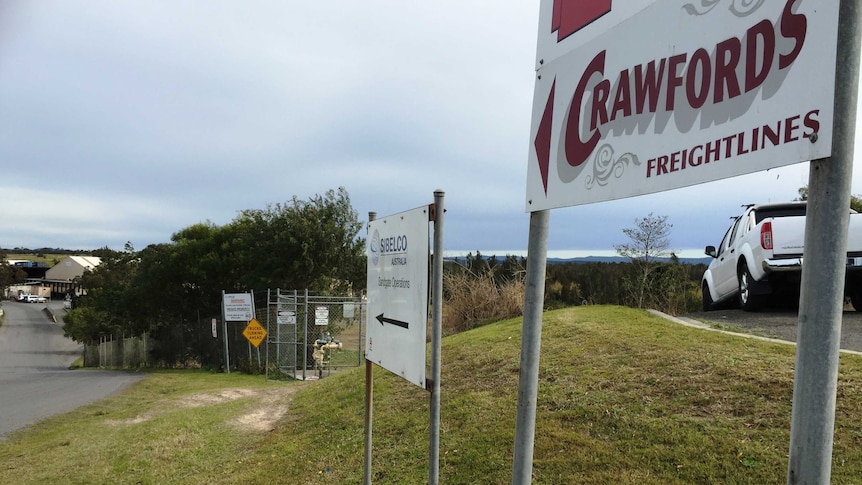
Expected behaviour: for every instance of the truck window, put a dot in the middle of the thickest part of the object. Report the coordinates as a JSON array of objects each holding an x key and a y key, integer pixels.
[
  {"x": 735, "y": 228},
  {"x": 780, "y": 211},
  {"x": 725, "y": 241},
  {"x": 745, "y": 224}
]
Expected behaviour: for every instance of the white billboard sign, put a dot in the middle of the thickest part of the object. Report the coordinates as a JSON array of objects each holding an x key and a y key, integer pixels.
[
  {"x": 649, "y": 96},
  {"x": 286, "y": 317},
  {"x": 321, "y": 315},
  {"x": 238, "y": 307},
  {"x": 398, "y": 251}
]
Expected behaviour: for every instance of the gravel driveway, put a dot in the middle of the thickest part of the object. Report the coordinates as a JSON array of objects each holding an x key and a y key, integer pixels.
[{"x": 780, "y": 324}]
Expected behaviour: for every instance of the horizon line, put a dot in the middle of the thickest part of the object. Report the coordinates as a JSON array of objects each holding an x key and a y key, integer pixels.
[{"x": 569, "y": 253}]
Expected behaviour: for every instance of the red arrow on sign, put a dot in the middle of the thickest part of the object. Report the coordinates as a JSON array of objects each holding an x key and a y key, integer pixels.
[{"x": 570, "y": 16}]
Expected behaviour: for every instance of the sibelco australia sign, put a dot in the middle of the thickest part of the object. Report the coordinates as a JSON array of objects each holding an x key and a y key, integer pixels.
[
  {"x": 398, "y": 252},
  {"x": 639, "y": 97}
]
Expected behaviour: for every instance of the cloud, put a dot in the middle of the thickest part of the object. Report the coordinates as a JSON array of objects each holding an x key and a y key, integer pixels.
[{"x": 129, "y": 121}]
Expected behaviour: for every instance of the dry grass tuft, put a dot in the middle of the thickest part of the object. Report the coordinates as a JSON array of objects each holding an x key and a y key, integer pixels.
[{"x": 473, "y": 300}]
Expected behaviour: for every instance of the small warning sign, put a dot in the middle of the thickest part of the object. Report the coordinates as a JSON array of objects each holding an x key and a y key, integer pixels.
[{"x": 254, "y": 332}]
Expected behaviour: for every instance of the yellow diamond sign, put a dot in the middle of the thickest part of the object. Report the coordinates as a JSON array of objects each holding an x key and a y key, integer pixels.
[{"x": 254, "y": 332}]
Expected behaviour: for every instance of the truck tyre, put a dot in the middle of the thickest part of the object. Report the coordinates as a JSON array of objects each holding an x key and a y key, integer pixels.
[
  {"x": 708, "y": 304},
  {"x": 748, "y": 301},
  {"x": 856, "y": 299}
]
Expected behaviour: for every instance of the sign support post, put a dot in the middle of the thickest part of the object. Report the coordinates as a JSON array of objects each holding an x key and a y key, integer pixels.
[
  {"x": 224, "y": 335},
  {"x": 369, "y": 396},
  {"x": 254, "y": 315},
  {"x": 436, "y": 337},
  {"x": 531, "y": 342},
  {"x": 822, "y": 292}
]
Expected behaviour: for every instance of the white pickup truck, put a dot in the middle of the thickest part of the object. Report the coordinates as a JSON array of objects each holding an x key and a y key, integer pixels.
[{"x": 761, "y": 255}]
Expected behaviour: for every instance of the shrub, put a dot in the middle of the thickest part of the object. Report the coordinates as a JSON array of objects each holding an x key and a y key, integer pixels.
[{"x": 473, "y": 300}]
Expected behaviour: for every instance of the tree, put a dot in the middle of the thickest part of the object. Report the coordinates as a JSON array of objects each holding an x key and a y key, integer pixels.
[
  {"x": 649, "y": 240},
  {"x": 166, "y": 288},
  {"x": 855, "y": 200},
  {"x": 310, "y": 244},
  {"x": 110, "y": 302},
  {"x": 5, "y": 272},
  {"x": 9, "y": 274}
]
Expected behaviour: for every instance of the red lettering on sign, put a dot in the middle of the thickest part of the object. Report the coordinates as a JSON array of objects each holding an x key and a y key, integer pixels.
[{"x": 737, "y": 65}]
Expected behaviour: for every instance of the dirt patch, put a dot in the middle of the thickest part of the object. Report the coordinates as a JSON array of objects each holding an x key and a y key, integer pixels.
[
  {"x": 212, "y": 398},
  {"x": 266, "y": 407},
  {"x": 271, "y": 409},
  {"x": 128, "y": 422}
]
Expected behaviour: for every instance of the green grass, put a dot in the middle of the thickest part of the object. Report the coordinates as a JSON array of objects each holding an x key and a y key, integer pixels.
[{"x": 624, "y": 397}]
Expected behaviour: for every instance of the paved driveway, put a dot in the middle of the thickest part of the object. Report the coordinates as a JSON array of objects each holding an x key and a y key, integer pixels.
[
  {"x": 35, "y": 382},
  {"x": 781, "y": 324}
]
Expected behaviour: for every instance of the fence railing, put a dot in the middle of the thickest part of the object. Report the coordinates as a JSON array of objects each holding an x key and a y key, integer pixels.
[{"x": 128, "y": 352}]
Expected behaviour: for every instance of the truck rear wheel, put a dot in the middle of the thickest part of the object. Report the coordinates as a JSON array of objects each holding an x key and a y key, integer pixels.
[
  {"x": 748, "y": 301},
  {"x": 708, "y": 304},
  {"x": 856, "y": 300}
]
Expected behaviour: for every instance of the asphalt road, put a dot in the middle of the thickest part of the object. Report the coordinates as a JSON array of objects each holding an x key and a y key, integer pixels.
[
  {"x": 781, "y": 324},
  {"x": 35, "y": 382}
]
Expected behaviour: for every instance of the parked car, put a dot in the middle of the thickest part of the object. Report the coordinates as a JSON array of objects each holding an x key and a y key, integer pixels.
[{"x": 761, "y": 254}]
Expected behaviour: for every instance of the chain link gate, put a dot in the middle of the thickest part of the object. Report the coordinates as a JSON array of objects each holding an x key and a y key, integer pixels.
[{"x": 309, "y": 336}]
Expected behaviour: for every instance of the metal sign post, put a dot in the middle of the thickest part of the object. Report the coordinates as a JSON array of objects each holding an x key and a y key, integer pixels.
[
  {"x": 823, "y": 274},
  {"x": 531, "y": 342},
  {"x": 224, "y": 336},
  {"x": 369, "y": 398},
  {"x": 436, "y": 337},
  {"x": 397, "y": 310}
]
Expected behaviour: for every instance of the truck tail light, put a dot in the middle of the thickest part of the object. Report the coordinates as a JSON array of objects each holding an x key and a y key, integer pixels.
[{"x": 766, "y": 235}]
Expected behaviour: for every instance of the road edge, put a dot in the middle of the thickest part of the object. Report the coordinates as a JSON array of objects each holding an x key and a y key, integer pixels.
[{"x": 688, "y": 322}]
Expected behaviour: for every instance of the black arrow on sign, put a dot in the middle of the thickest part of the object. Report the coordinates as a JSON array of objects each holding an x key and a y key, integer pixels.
[{"x": 398, "y": 323}]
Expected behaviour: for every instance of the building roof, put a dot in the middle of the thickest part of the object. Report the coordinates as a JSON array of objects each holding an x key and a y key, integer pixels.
[{"x": 88, "y": 262}]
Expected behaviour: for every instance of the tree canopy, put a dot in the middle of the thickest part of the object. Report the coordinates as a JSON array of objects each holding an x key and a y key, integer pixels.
[
  {"x": 855, "y": 200},
  {"x": 9, "y": 274},
  {"x": 299, "y": 244}
]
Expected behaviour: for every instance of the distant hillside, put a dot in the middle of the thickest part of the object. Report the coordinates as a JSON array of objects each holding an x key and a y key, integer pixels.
[
  {"x": 591, "y": 259},
  {"x": 620, "y": 259}
]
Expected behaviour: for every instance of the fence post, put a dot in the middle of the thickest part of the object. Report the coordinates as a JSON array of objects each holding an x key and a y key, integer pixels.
[
  {"x": 224, "y": 334},
  {"x": 305, "y": 337}
]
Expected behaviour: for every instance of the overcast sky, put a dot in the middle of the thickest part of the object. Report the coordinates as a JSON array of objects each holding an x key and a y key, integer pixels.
[{"x": 128, "y": 121}]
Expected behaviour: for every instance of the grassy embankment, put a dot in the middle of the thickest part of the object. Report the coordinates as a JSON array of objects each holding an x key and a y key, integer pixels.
[
  {"x": 51, "y": 259},
  {"x": 624, "y": 397}
]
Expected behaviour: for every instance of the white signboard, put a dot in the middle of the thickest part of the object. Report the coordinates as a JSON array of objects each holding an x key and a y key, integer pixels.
[
  {"x": 286, "y": 317},
  {"x": 321, "y": 315},
  {"x": 348, "y": 310},
  {"x": 642, "y": 98},
  {"x": 398, "y": 251},
  {"x": 238, "y": 307}
]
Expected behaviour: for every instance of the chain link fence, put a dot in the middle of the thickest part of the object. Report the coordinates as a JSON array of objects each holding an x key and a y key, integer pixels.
[{"x": 309, "y": 336}]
